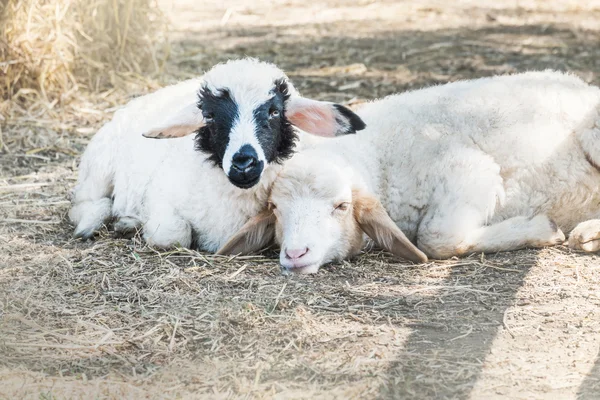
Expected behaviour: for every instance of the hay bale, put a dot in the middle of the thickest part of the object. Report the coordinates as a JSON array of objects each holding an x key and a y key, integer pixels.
[{"x": 51, "y": 50}]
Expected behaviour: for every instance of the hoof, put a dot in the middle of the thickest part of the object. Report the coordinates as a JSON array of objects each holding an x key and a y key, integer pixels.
[
  {"x": 586, "y": 236},
  {"x": 85, "y": 234}
]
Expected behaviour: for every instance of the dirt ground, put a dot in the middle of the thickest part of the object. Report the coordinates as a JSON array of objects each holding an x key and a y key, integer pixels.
[{"x": 113, "y": 319}]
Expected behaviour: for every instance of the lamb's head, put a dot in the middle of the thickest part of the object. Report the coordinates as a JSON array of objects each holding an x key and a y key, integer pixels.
[
  {"x": 244, "y": 118},
  {"x": 317, "y": 213}
]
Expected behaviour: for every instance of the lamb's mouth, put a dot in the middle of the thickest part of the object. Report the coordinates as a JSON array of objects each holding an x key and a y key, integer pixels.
[
  {"x": 246, "y": 184},
  {"x": 308, "y": 268}
]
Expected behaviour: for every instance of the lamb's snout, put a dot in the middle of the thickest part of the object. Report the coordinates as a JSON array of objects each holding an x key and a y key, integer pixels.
[
  {"x": 243, "y": 162},
  {"x": 295, "y": 254},
  {"x": 246, "y": 168},
  {"x": 298, "y": 259}
]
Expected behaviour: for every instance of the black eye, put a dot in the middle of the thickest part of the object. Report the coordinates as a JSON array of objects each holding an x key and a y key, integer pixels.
[
  {"x": 209, "y": 118},
  {"x": 273, "y": 113},
  {"x": 271, "y": 206}
]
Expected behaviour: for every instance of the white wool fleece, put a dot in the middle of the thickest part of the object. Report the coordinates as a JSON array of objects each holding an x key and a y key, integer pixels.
[{"x": 474, "y": 166}]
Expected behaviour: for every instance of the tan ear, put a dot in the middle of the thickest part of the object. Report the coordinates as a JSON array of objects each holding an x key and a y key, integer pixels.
[
  {"x": 184, "y": 122},
  {"x": 375, "y": 222},
  {"x": 255, "y": 235},
  {"x": 322, "y": 118}
]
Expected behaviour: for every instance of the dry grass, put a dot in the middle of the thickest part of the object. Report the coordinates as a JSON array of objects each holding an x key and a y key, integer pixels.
[
  {"x": 115, "y": 319},
  {"x": 57, "y": 47},
  {"x": 56, "y": 54}
]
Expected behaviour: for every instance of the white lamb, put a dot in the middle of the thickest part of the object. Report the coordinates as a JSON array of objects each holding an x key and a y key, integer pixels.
[
  {"x": 486, "y": 165},
  {"x": 198, "y": 189}
]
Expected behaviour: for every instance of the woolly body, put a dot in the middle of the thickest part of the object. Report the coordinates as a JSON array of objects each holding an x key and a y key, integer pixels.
[{"x": 474, "y": 166}]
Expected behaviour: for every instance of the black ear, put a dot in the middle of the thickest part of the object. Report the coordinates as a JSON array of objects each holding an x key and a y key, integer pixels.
[
  {"x": 322, "y": 118},
  {"x": 351, "y": 121}
]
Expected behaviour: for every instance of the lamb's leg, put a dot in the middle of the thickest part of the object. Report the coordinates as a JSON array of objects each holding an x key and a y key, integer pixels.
[
  {"x": 167, "y": 229},
  {"x": 465, "y": 199},
  {"x": 586, "y": 236},
  {"x": 89, "y": 216},
  {"x": 92, "y": 204},
  {"x": 439, "y": 240},
  {"x": 127, "y": 227}
]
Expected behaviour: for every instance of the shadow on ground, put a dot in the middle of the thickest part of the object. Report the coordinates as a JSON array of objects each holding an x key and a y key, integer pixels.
[
  {"x": 590, "y": 388},
  {"x": 394, "y": 61}
]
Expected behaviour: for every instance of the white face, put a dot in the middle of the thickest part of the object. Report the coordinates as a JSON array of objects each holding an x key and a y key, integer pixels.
[
  {"x": 315, "y": 224},
  {"x": 317, "y": 215}
]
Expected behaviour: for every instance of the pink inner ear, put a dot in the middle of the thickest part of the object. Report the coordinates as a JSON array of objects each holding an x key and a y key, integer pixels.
[{"x": 314, "y": 117}]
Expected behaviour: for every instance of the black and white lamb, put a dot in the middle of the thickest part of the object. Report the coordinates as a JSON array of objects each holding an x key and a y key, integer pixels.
[{"x": 230, "y": 130}]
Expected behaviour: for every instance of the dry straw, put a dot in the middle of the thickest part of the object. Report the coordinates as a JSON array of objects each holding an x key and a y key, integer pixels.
[{"x": 55, "y": 50}]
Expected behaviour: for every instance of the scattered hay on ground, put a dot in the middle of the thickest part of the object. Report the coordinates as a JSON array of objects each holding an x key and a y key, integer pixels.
[{"x": 114, "y": 319}]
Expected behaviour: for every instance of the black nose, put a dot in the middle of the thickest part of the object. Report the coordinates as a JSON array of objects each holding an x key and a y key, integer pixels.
[
  {"x": 245, "y": 168},
  {"x": 244, "y": 159}
]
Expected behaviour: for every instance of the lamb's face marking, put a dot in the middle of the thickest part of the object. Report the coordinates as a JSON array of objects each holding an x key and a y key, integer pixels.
[
  {"x": 243, "y": 119},
  {"x": 243, "y": 136},
  {"x": 220, "y": 112},
  {"x": 273, "y": 130}
]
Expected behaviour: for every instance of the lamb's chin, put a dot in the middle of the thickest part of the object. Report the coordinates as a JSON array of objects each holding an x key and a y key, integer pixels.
[{"x": 302, "y": 270}]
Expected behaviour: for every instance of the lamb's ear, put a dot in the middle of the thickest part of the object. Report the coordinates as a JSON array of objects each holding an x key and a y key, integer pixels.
[
  {"x": 375, "y": 222},
  {"x": 255, "y": 235},
  {"x": 322, "y": 118},
  {"x": 184, "y": 122}
]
